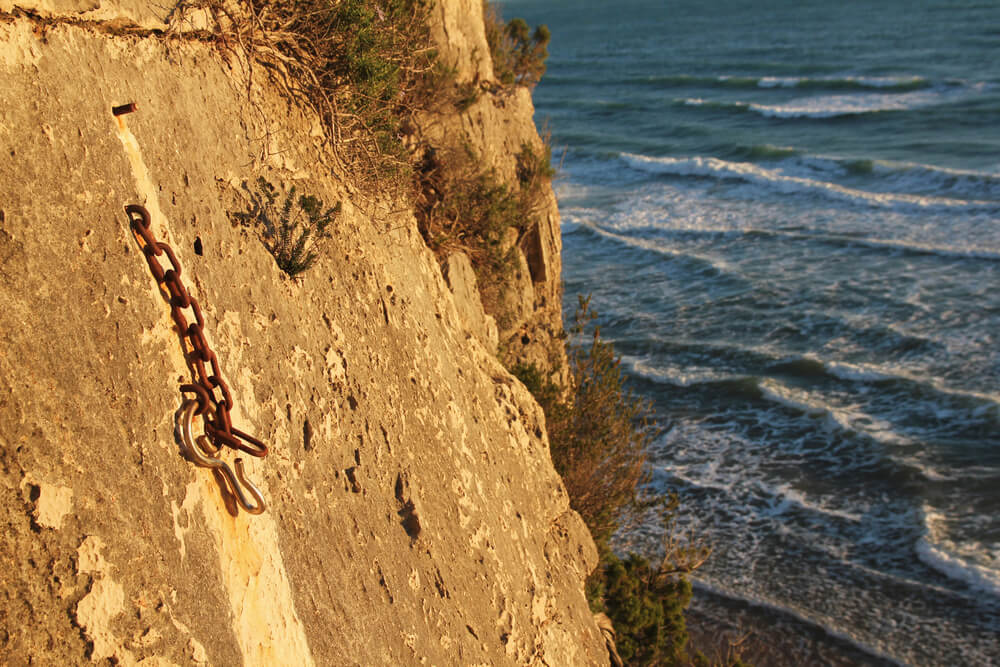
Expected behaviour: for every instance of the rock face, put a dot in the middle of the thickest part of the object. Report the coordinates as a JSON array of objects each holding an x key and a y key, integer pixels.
[
  {"x": 496, "y": 127},
  {"x": 413, "y": 512}
]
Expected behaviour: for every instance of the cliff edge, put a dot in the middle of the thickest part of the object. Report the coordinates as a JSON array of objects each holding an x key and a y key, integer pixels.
[{"x": 414, "y": 516}]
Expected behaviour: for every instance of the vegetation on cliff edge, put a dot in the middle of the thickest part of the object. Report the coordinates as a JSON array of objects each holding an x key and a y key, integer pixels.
[
  {"x": 366, "y": 67},
  {"x": 462, "y": 206},
  {"x": 518, "y": 53},
  {"x": 599, "y": 434}
]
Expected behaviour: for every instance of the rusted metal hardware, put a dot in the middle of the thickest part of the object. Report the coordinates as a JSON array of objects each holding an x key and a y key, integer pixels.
[
  {"x": 213, "y": 407},
  {"x": 219, "y": 429},
  {"x": 197, "y": 448},
  {"x": 124, "y": 109}
]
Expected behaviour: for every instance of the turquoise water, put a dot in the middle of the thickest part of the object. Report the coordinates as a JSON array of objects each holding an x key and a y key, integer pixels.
[{"x": 789, "y": 219}]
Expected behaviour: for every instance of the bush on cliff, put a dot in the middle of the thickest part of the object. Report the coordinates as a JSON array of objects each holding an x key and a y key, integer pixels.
[
  {"x": 462, "y": 206},
  {"x": 647, "y": 610},
  {"x": 518, "y": 53},
  {"x": 363, "y": 65},
  {"x": 598, "y": 436}
]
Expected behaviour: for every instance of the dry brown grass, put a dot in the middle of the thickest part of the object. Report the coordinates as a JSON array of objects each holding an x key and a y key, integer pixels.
[{"x": 364, "y": 66}]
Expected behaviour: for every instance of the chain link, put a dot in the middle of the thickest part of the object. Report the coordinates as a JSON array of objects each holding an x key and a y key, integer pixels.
[{"x": 213, "y": 407}]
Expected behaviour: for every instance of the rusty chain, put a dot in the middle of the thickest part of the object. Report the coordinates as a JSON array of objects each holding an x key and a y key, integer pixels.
[{"x": 214, "y": 408}]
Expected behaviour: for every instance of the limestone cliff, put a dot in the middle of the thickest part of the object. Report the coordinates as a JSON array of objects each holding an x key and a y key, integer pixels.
[
  {"x": 414, "y": 516},
  {"x": 495, "y": 128}
]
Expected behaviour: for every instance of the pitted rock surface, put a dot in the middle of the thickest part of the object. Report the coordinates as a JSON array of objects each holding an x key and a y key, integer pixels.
[{"x": 421, "y": 523}]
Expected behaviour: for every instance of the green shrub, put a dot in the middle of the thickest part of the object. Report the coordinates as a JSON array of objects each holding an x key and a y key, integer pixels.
[
  {"x": 460, "y": 207},
  {"x": 362, "y": 64},
  {"x": 598, "y": 435},
  {"x": 647, "y": 610},
  {"x": 466, "y": 94},
  {"x": 534, "y": 169},
  {"x": 293, "y": 231},
  {"x": 518, "y": 53}
]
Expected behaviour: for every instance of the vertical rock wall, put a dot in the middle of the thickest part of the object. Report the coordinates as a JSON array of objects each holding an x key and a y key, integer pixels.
[
  {"x": 414, "y": 515},
  {"x": 496, "y": 127}
]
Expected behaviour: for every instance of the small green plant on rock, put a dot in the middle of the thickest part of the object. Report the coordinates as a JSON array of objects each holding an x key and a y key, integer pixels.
[
  {"x": 534, "y": 168},
  {"x": 295, "y": 230}
]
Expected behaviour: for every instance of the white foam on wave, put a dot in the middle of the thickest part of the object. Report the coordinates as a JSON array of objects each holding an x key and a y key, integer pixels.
[
  {"x": 719, "y": 265},
  {"x": 897, "y": 176},
  {"x": 776, "y": 179},
  {"x": 960, "y": 562},
  {"x": 672, "y": 375},
  {"x": 913, "y": 246},
  {"x": 848, "y": 419},
  {"x": 929, "y": 473},
  {"x": 853, "y": 104},
  {"x": 858, "y": 372},
  {"x": 702, "y": 102},
  {"x": 779, "y": 81},
  {"x": 788, "y": 496},
  {"x": 775, "y": 391},
  {"x": 755, "y": 497},
  {"x": 922, "y": 175},
  {"x": 835, "y": 418},
  {"x": 829, "y": 106},
  {"x": 711, "y": 483},
  {"x": 860, "y": 81},
  {"x": 886, "y": 81}
]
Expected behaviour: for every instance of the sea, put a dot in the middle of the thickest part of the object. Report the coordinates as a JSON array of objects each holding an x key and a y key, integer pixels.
[{"x": 787, "y": 215}]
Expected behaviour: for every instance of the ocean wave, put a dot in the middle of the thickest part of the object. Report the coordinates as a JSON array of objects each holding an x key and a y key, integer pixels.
[
  {"x": 710, "y": 167},
  {"x": 716, "y": 266},
  {"x": 941, "y": 554},
  {"x": 828, "y": 416},
  {"x": 930, "y": 473},
  {"x": 858, "y": 372},
  {"x": 788, "y": 497},
  {"x": 834, "y": 418},
  {"x": 772, "y": 501},
  {"x": 771, "y": 390},
  {"x": 812, "y": 366},
  {"x": 832, "y": 106},
  {"x": 766, "y": 152},
  {"x": 678, "y": 377},
  {"x": 912, "y": 247},
  {"x": 572, "y": 217},
  {"x": 846, "y": 82},
  {"x": 879, "y": 175},
  {"x": 804, "y": 366},
  {"x": 888, "y": 175},
  {"x": 935, "y": 175}
]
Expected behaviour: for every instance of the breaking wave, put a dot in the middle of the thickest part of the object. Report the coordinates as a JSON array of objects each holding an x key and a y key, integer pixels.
[
  {"x": 776, "y": 179},
  {"x": 831, "y": 106}
]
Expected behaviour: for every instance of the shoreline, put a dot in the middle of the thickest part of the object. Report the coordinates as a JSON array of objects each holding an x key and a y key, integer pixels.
[{"x": 769, "y": 637}]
